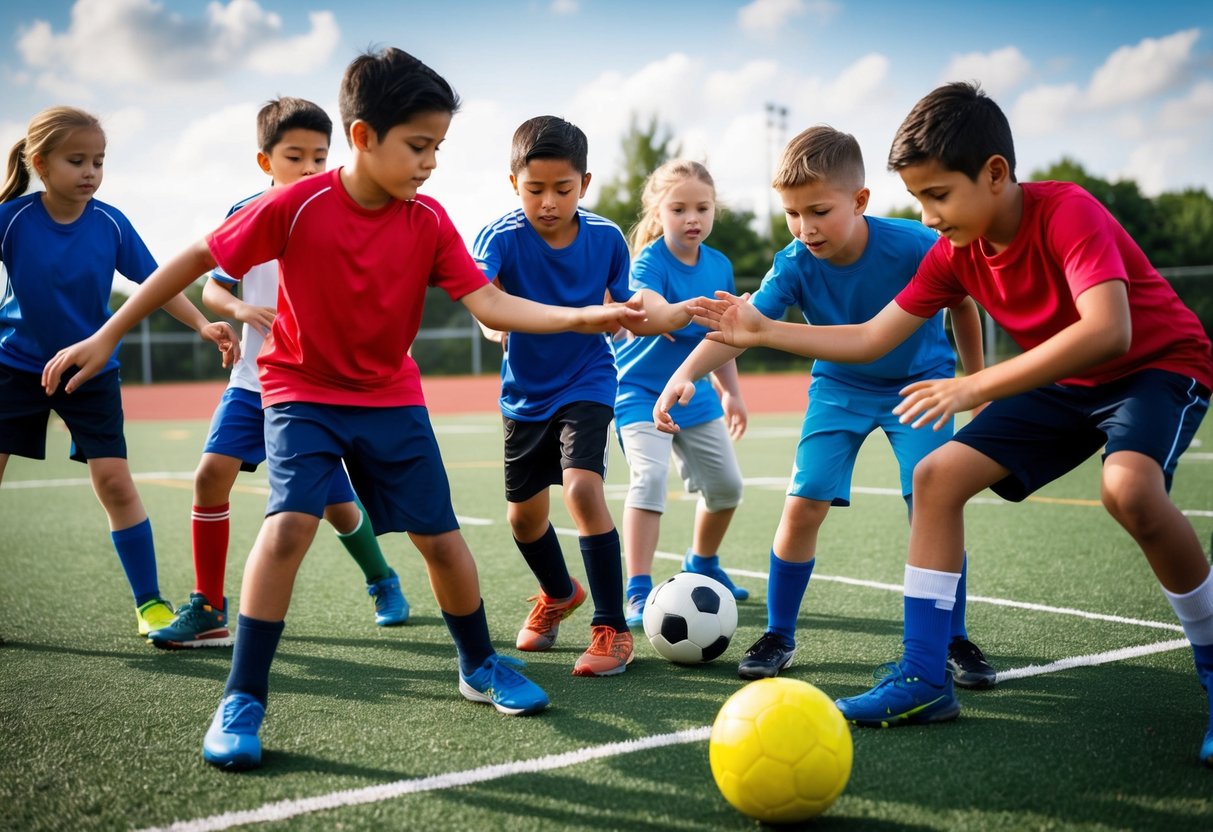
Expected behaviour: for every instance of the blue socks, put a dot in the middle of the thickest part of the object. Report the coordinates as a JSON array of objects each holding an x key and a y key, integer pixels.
[
  {"x": 546, "y": 560},
  {"x": 471, "y": 636},
  {"x": 639, "y": 586},
  {"x": 600, "y": 553},
  {"x": 256, "y": 643},
  {"x": 785, "y": 591},
  {"x": 137, "y": 554},
  {"x": 959, "y": 630},
  {"x": 929, "y": 598}
]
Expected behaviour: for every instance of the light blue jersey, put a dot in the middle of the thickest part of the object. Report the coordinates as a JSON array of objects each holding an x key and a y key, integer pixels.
[
  {"x": 828, "y": 295},
  {"x": 60, "y": 276},
  {"x": 542, "y": 373},
  {"x": 646, "y": 363}
]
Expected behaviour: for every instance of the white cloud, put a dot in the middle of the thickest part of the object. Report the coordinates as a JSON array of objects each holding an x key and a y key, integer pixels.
[
  {"x": 858, "y": 86},
  {"x": 1045, "y": 109},
  {"x": 999, "y": 72},
  {"x": 769, "y": 16},
  {"x": 1195, "y": 108},
  {"x": 565, "y": 7},
  {"x": 1151, "y": 164},
  {"x": 138, "y": 42},
  {"x": 1134, "y": 73}
]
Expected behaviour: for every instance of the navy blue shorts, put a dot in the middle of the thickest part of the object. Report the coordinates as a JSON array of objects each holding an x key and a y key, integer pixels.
[
  {"x": 536, "y": 453},
  {"x": 93, "y": 415},
  {"x": 1040, "y": 435},
  {"x": 238, "y": 430},
  {"x": 390, "y": 452}
]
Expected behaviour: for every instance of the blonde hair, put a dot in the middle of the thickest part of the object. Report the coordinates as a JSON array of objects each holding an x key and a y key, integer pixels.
[
  {"x": 45, "y": 132},
  {"x": 820, "y": 154},
  {"x": 648, "y": 227}
]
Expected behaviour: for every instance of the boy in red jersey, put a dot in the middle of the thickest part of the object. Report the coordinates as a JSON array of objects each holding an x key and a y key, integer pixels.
[
  {"x": 1112, "y": 359},
  {"x": 337, "y": 380}
]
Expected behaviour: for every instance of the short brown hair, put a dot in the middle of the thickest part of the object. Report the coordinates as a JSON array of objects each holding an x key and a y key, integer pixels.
[
  {"x": 548, "y": 137},
  {"x": 819, "y": 154}
]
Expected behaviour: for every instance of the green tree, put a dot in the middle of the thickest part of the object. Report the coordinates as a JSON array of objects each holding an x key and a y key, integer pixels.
[{"x": 645, "y": 148}]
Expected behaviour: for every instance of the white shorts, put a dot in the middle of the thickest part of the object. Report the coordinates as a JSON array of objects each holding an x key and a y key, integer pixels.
[{"x": 706, "y": 461}]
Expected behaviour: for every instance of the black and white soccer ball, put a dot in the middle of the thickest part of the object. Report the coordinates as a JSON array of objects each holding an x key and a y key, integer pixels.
[{"x": 690, "y": 618}]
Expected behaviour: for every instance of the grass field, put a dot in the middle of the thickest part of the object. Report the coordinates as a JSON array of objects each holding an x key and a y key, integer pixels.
[{"x": 1094, "y": 725}]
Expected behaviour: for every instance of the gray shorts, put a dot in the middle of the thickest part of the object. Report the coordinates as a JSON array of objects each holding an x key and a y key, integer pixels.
[{"x": 705, "y": 458}]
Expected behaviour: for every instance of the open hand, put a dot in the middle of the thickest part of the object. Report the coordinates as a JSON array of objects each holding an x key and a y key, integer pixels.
[
  {"x": 934, "y": 401},
  {"x": 607, "y": 317},
  {"x": 732, "y": 319}
]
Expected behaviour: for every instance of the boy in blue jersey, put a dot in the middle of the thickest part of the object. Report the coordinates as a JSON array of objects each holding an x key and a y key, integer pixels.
[
  {"x": 293, "y": 137},
  {"x": 841, "y": 268},
  {"x": 558, "y": 391}
]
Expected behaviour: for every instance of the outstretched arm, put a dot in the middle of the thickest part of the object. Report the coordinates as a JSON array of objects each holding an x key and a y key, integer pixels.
[
  {"x": 660, "y": 316},
  {"x": 500, "y": 310},
  {"x": 1102, "y": 332},
  {"x": 706, "y": 358},
  {"x": 170, "y": 279},
  {"x": 740, "y": 324}
]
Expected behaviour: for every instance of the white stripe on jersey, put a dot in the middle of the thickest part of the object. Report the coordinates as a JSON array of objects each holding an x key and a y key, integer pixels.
[
  {"x": 114, "y": 221},
  {"x": 295, "y": 218},
  {"x": 4, "y": 239}
]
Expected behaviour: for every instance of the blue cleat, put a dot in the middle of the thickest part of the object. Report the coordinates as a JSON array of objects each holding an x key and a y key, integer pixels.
[
  {"x": 716, "y": 573},
  {"x": 1206, "y": 748},
  {"x": 391, "y": 608},
  {"x": 634, "y": 615},
  {"x": 898, "y": 699},
  {"x": 497, "y": 683},
  {"x": 232, "y": 741}
]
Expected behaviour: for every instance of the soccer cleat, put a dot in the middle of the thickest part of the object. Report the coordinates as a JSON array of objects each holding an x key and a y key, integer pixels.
[
  {"x": 1206, "y": 748},
  {"x": 391, "y": 608},
  {"x": 968, "y": 665},
  {"x": 610, "y": 652},
  {"x": 197, "y": 624},
  {"x": 634, "y": 615},
  {"x": 716, "y": 573},
  {"x": 232, "y": 741},
  {"x": 900, "y": 699},
  {"x": 542, "y": 625},
  {"x": 153, "y": 614},
  {"x": 497, "y": 683},
  {"x": 769, "y": 655}
]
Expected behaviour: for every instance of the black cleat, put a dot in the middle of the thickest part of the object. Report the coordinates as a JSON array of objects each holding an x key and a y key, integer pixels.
[
  {"x": 769, "y": 655},
  {"x": 968, "y": 665}
]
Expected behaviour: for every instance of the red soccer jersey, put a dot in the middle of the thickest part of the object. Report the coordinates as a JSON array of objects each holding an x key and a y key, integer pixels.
[
  {"x": 351, "y": 291},
  {"x": 1067, "y": 242}
]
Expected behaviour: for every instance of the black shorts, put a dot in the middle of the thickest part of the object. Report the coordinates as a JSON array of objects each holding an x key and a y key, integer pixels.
[
  {"x": 93, "y": 415},
  {"x": 537, "y": 453},
  {"x": 1042, "y": 434}
]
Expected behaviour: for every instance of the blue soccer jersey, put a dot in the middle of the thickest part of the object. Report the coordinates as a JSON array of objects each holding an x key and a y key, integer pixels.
[
  {"x": 542, "y": 373},
  {"x": 60, "y": 276},
  {"x": 646, "y": 363},
  {"x": 828, "y": 295}
]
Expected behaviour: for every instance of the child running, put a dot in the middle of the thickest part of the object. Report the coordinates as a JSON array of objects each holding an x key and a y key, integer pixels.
[
  {"x": 1113, "y": 362},
  {"x": 337, "y": 380},
  {"x": 293, "y": 136},
  {"x": 61, "y": 247},
  {"x": 558, "y": 391},
  {"x": 671, "y": 258},
  {"x": 841, "y": 268}
]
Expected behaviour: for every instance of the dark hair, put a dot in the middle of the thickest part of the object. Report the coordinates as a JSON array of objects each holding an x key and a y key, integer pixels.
[
  {"x": 282, "y": 114},
  {"x": 390, "y": 87},
  {"x": 549, "y": 137},
  {"x": 956, "y": 125}
]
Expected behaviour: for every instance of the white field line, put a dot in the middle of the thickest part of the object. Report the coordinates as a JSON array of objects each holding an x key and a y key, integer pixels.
[{"x": 285, "y": 809}]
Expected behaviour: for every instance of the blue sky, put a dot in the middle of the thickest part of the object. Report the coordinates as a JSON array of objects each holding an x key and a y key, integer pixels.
[{"x": 1124, "y": 87}]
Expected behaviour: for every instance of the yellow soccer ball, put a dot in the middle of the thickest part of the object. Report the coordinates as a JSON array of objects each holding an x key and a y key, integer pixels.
[{"x": 780, "y": 751}]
